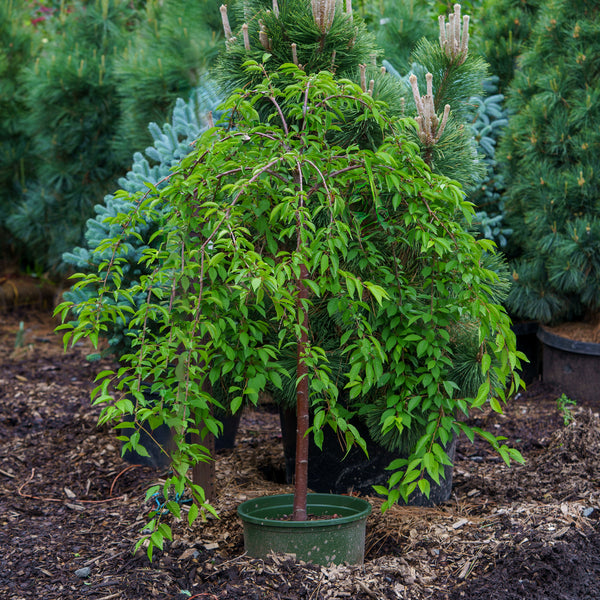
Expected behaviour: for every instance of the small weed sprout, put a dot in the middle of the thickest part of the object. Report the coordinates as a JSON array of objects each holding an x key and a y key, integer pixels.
[
  {"x": 565, "y": 404},
  {"x": 20, "y": 337}
]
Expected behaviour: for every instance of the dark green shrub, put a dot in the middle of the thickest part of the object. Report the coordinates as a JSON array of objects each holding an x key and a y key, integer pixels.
[
  {"x": 71, "y": 120},
  {"x": 398, "y": 26},
  {"x": 174, "y": 45},
  {"x": 18, "y": 45},
  {"x": 552, "y": 155},
  {"x": 107, "y": 69},
  {"x": 503, "y": 27}
]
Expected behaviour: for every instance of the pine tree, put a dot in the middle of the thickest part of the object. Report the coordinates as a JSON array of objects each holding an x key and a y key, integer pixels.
[
  {"x": 398, "y": 30},
  {"x": 172, "y": 142},
  {"x": 451, "y": 75},
  {"x": 318, "y": 35},
  {"x": 398, "y": 26},
  {"x": 552, "y": 156},
  {"x": 17, "y": 49},
  {"x": 503, "y": 27},
  {"x": 71, "y": 119},
  {"x": 324, "y": 35},
  {"x": 172, "y": 48}
]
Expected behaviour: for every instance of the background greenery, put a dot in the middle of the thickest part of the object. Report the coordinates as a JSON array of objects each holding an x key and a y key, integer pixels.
[
  {"x": 81, "y": 80},
  {"x": 551, "y": 154}
]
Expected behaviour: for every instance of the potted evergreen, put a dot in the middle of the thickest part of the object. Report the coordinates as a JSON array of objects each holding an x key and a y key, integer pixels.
[{"x": 552, "y": 199}]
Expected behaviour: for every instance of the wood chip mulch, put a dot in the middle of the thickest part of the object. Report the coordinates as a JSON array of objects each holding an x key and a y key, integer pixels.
[{"x": 71, "y": 509}]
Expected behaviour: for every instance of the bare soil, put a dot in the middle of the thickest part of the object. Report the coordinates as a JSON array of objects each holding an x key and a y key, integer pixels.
[
  {"x": 587, "y": 331},
  {"x": 71, "y": 509}
]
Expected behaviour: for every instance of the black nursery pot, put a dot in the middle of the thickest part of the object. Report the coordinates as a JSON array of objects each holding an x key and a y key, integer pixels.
[
  {"x": 529, "y": 344},
  {"x": 159, "y": 442},
  {"x": 154, "y": 441},
  {"x": 573, "y": 366},
  {"x": 332, "y": 471}
]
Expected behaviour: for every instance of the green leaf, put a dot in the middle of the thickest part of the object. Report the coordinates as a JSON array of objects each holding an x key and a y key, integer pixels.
[
  {"x": 486, "y": 361},
  {"x": 425, "y": 487},
  {"x": 377, "y": 292},
  {"x": 313, "y": 285},
  {"x": 496, "y": 406},
  {"x": 318, "y": 436},
  {"x": 157, "y": 539},
  {"x": 236, "y": 403},
  {"x": 482, "y": 394},
  {"x": 193, "y": 513}
]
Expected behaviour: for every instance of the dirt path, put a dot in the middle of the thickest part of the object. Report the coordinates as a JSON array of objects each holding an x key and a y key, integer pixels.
[{"x": 71, "y": 508}]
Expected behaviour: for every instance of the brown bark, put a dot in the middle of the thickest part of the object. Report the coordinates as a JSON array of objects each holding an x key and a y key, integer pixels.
[
  {"x": 203, "y": 473},
  {"x": 302, "y": 409}
]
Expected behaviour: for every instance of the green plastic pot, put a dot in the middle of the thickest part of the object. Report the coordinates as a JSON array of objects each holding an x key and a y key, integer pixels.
[{"x": 321, "y": 541}]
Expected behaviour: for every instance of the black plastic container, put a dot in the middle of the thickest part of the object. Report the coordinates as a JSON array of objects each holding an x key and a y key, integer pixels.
[
  {"x": 573, "y": 366},
  {"x": 159, "y": 442},
  {"x": 529, "y": 344},
  {"x": 332, "y": 471}
]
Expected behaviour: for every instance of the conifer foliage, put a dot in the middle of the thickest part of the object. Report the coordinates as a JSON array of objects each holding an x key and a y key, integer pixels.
[
  {"x": 504, "y": 27},
  {"x": 71, "y": 120},
  {"x": 172, "y": 142},
  {"x": 398, "y": 27},
  {"x": 316, "y": 35},
  {"x": 79, "y": 105},
  {"x": 552, "y": 152},
  {"x": 16, "y": 51},
  {"x": 167, "y": 55},
  {"x": 326, "y": 35}
]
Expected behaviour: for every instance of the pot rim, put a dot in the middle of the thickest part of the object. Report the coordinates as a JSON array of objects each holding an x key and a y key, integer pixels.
[
  {"x": 566, "y": 344},
  {"x": 281, "y": 504}
]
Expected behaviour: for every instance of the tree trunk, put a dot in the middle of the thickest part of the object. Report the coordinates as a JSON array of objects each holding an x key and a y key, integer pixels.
[
  {"x": 302, "y": 408},
  {"x": 203, "y": 473}
]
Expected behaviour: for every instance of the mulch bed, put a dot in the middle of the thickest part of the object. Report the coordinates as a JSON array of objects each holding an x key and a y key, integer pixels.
[{"x": 71, "y": 509}]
